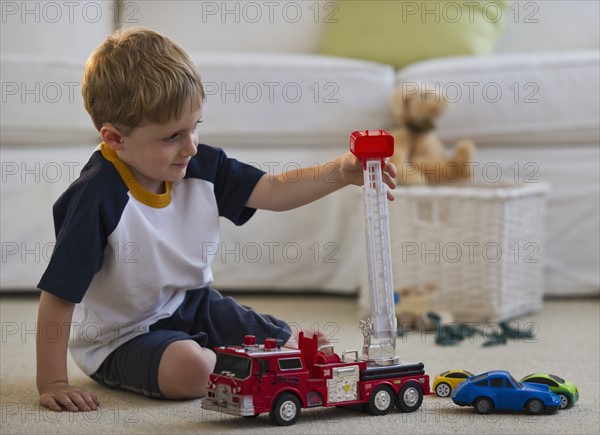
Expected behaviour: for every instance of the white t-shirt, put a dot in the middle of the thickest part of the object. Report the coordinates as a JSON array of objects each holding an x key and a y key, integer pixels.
[{"x": 127, "y": 256}]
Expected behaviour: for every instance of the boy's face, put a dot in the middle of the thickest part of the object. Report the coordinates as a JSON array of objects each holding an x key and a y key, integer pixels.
[{"x": 161, "y": 152}]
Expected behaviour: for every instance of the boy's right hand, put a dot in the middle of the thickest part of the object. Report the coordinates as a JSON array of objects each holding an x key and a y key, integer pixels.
[{"x": 60, "y": 395}]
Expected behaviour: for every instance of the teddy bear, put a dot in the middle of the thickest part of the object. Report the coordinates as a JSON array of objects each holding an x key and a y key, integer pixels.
[{"x": 419, "y": 154}]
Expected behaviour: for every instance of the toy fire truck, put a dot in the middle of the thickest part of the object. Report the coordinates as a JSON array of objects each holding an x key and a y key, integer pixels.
[{"x": 252, "y": 379}]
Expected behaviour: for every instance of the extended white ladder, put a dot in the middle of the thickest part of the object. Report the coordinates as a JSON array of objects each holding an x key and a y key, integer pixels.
[{"x": 380, "y": 330}]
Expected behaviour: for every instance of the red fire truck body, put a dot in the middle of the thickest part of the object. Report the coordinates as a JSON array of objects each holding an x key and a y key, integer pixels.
[{"x": 253, "y": 379}]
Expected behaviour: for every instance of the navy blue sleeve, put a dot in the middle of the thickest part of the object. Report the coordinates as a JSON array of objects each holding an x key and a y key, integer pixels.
[
  {"x": 84, "y": 216},
  {"x": 233, "y": 181}
]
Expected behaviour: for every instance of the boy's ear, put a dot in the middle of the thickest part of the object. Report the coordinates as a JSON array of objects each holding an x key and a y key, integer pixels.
[{"x": 112, "y": 137}]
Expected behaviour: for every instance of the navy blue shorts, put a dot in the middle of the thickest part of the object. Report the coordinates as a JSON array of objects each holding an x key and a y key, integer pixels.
[{"x": 206, "y": 317}]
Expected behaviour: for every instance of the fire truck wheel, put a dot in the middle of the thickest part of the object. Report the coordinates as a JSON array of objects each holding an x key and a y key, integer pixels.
[
  {"x": 286, "y": 410},
  {"x": 410, "y": 397},
  {"x": 381, "y": 401}
]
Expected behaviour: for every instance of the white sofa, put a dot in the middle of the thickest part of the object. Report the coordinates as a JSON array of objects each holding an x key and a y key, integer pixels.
[{"x": 278, "y": 105}]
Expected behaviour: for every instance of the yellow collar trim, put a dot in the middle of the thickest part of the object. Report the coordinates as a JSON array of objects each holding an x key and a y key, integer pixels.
[{"x": 156, "y": 200}]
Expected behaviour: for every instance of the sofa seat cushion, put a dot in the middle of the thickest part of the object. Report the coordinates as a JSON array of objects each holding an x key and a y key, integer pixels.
[
  {"x": 535, "y": 98},
  {"x": 291, "y": 100}
]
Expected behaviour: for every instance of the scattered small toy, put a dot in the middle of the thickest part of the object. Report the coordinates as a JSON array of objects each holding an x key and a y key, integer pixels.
[
  {"x": 453, "y": 333},
  {"x": 497, "y": 389},
  {"x": 444, "y": 383},
  {"x": 567, "y": 391}
]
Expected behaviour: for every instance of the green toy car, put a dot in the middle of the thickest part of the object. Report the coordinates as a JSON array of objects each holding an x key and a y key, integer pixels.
[{"x": 568, "y": 392}]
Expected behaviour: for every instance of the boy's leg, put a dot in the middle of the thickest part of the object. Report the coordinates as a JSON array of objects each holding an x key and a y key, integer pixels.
[
  {"x": 185, "y": 366},
  {"x": 147, "y": 363},
  {"x": 225, "y": 321},
  {"x": 184, "y": 370},
  {"x": 173, "y": 360}
]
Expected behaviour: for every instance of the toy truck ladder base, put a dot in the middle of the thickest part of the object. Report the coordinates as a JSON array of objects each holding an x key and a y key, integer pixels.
[{"x": 379, "y": 330}]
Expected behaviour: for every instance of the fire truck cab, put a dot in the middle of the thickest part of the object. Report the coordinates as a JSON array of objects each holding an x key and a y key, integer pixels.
[{"x": 252, "y": 379}]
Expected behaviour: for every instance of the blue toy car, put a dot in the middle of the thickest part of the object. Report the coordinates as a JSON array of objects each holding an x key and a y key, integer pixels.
[{"x": 497, "y": 389}]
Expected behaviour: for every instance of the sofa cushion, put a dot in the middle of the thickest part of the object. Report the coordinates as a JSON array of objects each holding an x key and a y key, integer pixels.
[
  {"x": 402, "y": 32},
  {"x": 50, "y": 28},
  {"x": 515, "y": 98},
  {"x": 42, "y": 103},
  {"x": 543, "y": 25},
  {"x": 291, "y": 100},
  {"x": 283, "y": 26}
]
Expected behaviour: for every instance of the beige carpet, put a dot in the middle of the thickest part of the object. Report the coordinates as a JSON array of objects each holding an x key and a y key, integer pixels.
[{"x": 567, "y": 344}]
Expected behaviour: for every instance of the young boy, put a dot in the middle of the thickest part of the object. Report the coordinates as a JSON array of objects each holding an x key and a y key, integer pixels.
[{"x": 128, "y": 274}]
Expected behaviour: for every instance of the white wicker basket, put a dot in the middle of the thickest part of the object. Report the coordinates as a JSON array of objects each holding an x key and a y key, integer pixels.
[{"x": 480, "y": 248}]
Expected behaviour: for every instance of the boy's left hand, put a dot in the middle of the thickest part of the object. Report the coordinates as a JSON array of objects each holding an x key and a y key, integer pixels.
[{"x": 351, "y": 172}]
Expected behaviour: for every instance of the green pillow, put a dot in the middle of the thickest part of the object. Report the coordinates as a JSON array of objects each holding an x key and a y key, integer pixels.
[{"x": 400, "y": 32}]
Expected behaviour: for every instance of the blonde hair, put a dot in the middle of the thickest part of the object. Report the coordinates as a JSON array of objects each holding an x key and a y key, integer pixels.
[{"x": 139, "y": 75}]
